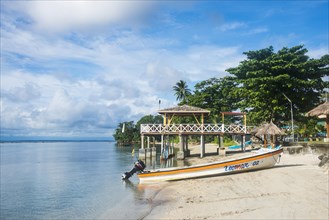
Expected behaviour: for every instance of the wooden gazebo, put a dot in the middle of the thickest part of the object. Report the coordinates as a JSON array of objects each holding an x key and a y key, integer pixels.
[
  {"x": 169, "y": 128},
  {"x": 184, "y": 110}
]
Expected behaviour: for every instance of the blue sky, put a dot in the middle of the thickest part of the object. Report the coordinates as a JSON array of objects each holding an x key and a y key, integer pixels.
[{"x": 78, "y": 68}]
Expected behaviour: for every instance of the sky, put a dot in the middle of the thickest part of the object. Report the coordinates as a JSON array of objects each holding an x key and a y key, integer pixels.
[{"x": 76, "y": 69}]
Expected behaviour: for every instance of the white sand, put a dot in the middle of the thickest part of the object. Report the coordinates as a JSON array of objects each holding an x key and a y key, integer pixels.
[{"x": 294, "y": 189}]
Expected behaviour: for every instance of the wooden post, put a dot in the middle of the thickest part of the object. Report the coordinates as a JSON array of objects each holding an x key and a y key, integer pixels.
[
  {"x": 142, "y": 153},
  {"x": 180, "y": 153},
  {"x": 243, "y": 141},
  {"x": 221, "y": 151},
  {"x": 154, "y": 150},
  {"x": 187, "y": 151},
  {"x": 220, "y": 141},
  {"x": 162, "y": 146},
  {"x": 148, "y": 149},
  {"x": 326, "y": 139},
  {"x": 202, "y": 146},
  {"x": 142, "y": 141},
  {"x": 264, "y": 140},
  {"x": 327, "y": 123}
]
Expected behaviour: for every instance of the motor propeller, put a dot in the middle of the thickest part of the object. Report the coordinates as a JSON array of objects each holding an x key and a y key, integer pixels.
[{"x": 139, "y": 166}]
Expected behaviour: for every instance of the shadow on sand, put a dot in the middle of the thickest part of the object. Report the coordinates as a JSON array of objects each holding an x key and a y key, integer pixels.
[{"x": 228, "y": 152}]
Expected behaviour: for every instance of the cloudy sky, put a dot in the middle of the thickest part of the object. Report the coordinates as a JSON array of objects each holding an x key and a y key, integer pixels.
[{"x": 78, "y": 68}]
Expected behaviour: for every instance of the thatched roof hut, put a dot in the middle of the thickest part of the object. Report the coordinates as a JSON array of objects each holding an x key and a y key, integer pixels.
[
  {"x": 322, "y": 109},
  {"x": 269, "y": 129},
  {"x": 184, "y": 110}
]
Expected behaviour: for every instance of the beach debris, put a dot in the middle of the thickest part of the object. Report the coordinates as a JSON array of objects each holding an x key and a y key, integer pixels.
[{"x": 324, "y": 160}]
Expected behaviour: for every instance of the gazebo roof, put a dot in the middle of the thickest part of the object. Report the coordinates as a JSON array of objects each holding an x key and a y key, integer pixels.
[
  {"x": 322, "y": 109},
  {"x": 269, "y": 128},
  {"x": 233, "y": 113},
  {"x": 184, "y": 110}
]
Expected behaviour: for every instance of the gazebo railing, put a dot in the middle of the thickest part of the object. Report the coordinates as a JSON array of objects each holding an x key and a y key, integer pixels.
[{"x": 193, "y": 129}]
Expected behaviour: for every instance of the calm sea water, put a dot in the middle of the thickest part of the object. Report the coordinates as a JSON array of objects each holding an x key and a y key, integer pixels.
[{"x": 71, "y": 180}]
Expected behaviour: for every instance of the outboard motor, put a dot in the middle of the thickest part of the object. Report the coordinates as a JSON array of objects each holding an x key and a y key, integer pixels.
[{"x": 138, "y": 167}]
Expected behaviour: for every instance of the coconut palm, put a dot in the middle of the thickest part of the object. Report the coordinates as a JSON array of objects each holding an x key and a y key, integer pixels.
[{"x": 181, "y": 91}]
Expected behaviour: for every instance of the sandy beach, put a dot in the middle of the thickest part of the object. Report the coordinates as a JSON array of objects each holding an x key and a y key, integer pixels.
[{"x": 296, "y": 188}]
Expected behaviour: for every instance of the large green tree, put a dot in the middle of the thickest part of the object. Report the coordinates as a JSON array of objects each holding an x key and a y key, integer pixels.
[
  {"x": 125, "y": 133},
  {"x": 149, "y": 119},
  {"x": 181, "y": 91},
  {"x": 128, "y": 132},
  {"x": 265, "y": 76},
  {"x": 216, "y": 95}
]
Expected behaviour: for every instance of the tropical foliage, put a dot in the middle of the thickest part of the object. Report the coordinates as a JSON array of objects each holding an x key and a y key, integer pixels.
[
  {"x": 261, "y": 86},
  {"x": 128, "y": 133},
  {"x": 181, "y": 91},
  {"x": 265, "y": 76},
  {"x": 216, "y": 95}
]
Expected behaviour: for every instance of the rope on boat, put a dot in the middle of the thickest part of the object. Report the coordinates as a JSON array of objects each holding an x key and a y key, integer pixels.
[{"x": 279, "y": 159}]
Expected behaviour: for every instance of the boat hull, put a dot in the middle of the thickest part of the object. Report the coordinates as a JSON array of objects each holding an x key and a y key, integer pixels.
[{"x": 260, "y": 160}]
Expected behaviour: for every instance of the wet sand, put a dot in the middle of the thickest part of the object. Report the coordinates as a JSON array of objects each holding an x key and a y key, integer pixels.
[{"x": 296, "y": 188}]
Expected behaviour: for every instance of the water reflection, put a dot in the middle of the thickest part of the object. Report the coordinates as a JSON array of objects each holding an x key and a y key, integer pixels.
[
  {"x": 138, "y": 192},
  {"x": 65, "y": 180},
  {"x": 143, "y": 193},
  {"x": 152, "y": 162}
]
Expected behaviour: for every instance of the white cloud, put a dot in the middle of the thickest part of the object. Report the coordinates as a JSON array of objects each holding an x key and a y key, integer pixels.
[
  {"x": 59, "y": 16},
  {"x": 58, "y": 79},
  {"x": 232, "y": 26},
  {"x": 206, "y": 61},
  {"x": 256, "y": 31},
  {"x": 69, "y": 67},
  {"x": 318, "y": 53},
  {"x": 22, "y": 93},
  {"x": 55, "y": 105},
  {"x": 131, "y": 87},
  {"x": 280, "y": 41},
  {"x": 162, "y": 76},
  {"x": 58, "y": 84}
]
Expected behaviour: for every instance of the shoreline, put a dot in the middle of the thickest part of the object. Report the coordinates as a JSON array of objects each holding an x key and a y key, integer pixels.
[{"x": 296, "y": 188}]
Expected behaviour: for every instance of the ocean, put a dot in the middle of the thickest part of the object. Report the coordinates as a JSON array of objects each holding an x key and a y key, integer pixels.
[{"x": 72, "y": 180}]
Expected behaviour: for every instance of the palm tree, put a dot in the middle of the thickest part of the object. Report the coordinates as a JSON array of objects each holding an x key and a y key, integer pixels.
[{"x": 181, "y": 91}]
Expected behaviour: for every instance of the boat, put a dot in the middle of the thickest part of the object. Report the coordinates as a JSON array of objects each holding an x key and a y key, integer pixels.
[{"x": 259, "y": 159}]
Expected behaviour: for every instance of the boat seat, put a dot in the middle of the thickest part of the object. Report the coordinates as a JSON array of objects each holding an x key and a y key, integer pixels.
[{"x": 277, "y": 147}]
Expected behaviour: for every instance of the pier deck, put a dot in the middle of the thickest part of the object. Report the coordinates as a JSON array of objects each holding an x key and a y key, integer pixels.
[{"x": 211, "y": 129}]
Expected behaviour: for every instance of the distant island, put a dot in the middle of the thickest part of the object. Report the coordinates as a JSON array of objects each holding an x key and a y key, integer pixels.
[{"x": 14, "y": 139}]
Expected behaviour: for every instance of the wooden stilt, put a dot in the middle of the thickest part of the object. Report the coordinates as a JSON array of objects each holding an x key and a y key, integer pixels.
[
  {"x": 243, "y": 141},
  {"x": 142, "y": 141},
  {"x": 142, "y": 153},
  {"x": 202, "y": 146},
  {"x": 180, "y": 153}
]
